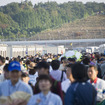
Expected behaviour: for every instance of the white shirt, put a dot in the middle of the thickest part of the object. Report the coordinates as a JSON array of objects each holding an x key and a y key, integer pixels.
[
  {"x": 65, "y": 85},
  {"x": 33, "y": 78},
  {"x": 23, "y": 68},
  {"x": 50, "y": 69},
  {"x": 1, "y": 67},
  {"x": 56, "y": 74},
  {"x": 49, "y": 99},
  {"x": 2, "y": 78},
  {"x": 6, "y": 62},
  {"x": 100, "y": 87},
  {"x": 61, "y": 67}
]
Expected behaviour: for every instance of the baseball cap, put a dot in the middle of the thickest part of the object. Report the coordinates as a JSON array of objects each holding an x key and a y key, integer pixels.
[{"x": 14, "y": 65}]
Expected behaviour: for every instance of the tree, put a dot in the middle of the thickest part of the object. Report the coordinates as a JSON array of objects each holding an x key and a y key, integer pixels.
[{"x": 20, "y": 19}]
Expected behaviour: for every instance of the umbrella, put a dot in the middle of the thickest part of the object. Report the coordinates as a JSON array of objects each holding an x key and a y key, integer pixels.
[{"x": 72, "y": 54}]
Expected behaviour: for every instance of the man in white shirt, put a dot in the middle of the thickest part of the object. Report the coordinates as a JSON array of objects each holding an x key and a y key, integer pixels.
[
  {"x": 5, "y": 75},
  {"x": 57, "y": 74},
  {"x": 7, "y": 60},
  {"x": 63, "y": 64},
  {"x": 33, "y": 74},
  {"x": 65, "y": 84},
  {"x": 21, "y": 64},
  {"x": 98, "y": 83}
]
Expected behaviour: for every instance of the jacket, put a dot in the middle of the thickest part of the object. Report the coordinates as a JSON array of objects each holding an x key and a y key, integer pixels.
[{"x": 81, "y": 93}]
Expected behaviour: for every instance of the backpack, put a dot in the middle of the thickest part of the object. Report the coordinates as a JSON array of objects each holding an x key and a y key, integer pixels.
[{"x": 55, "y": 86}]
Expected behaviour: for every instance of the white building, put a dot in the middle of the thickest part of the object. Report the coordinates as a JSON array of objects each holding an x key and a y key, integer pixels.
[
  {"x": 3, "y": 50},
  {"x": 92, "y": 49},
  {"x": 23, "y": 50},
  {"x": 102, "y": 49}
]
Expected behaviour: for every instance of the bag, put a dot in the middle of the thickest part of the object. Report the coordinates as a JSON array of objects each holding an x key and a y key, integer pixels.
[
  {"x": 17, "y": 95},
  {"x": 62, "y": 76}
]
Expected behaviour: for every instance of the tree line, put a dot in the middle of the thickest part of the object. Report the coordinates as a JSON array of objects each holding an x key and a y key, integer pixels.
[{"x": 23, "y": 20}]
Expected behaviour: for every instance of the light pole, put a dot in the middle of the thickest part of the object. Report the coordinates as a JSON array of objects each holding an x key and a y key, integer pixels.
[
  {"x": 2, "y": 36},
  {"x": 31, "y": 35}
]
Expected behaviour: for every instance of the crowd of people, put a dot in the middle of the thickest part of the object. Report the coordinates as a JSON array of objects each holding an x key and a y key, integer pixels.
[{"x": 48, "y": 81}]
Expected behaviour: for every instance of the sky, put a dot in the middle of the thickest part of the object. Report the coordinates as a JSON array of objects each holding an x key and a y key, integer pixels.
[{"x": 4, "y": 2}]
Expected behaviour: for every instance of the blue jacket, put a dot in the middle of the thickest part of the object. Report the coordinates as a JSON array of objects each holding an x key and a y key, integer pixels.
[{"x": 81, "y": 93}]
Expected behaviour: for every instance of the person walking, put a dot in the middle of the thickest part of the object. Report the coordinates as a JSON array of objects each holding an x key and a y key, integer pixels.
[
  {"x": 45, "y": 97},
  {"x": 15, "y": 84},
  {"x": 80, "y": 92}
]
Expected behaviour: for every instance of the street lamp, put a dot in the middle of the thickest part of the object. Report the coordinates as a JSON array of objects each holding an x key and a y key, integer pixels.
[
  {"x": 31, "y": 35},
  {"x": 2, "y": 35}
]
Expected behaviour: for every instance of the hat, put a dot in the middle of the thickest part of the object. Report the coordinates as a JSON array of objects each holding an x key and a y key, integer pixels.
[
  {"x": 49, "y": 60},
  {"x": 17, "y": 95},
  {"x": 14, "y": 65}
]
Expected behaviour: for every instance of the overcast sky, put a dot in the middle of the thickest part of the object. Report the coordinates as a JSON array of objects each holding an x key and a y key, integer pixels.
[{"x": 4, "y": 2}]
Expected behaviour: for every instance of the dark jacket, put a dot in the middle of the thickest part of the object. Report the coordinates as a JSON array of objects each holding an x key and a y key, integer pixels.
[{"x": 81, "y": 94}]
